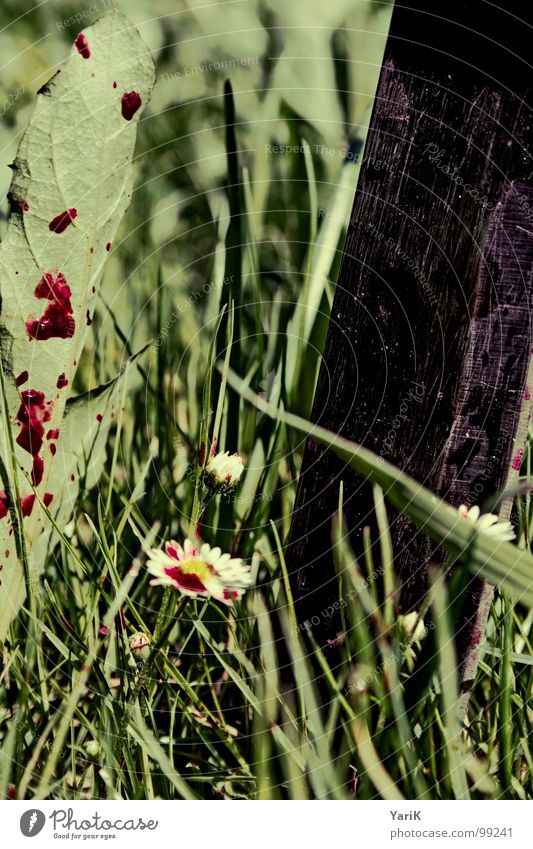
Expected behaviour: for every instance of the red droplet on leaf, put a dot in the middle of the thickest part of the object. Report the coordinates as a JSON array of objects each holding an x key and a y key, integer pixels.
[
  {"x": 26, "y": 504},
  {"x": 53, "y": 449},
  {"x": 30, "y": 416},
  {"x": 82, "y": 46},
  {"x": 25, "y": 206},
  {"x": 108, "y": 246},
  {"x": 62, "y": 221},
  {"x": 22, "y": 378},
  {"x": 72, "y": 478},
  {"x": 114, "y": 84},
  {"x": 57, "y": 320},
  {"x": 99, "y": 417},
  {"x": 48, "y": 498},
  {"x": 53, "y": 433},
  {"x": 62, "y": 381},
  {"x": 37, "y": 471},
  {"x": 130, "y": 102}
]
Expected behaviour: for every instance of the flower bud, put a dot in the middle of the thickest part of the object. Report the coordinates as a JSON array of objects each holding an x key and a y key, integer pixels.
[
  {"x": 407, "y": 623},
  {"x": 223, "y": 471},
  {"x": 93, "y": 749},
  {"x": 139, "y": 645}
]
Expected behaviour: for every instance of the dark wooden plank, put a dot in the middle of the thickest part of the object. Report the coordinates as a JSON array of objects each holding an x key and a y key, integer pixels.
[{"x": 428, "y": 348}]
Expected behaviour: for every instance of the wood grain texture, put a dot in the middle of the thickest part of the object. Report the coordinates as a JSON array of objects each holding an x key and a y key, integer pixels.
[{"x": 429, "y": 342}]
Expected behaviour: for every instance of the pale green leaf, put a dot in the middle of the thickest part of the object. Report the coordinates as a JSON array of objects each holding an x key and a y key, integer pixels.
[{"x": 71, "y": 186}]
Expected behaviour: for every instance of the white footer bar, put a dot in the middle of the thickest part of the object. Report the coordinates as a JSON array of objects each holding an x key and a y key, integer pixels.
[{"x": 254, "y": 825}]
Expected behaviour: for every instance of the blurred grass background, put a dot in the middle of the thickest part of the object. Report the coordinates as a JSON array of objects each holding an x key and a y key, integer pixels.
[{"x": 298, "y": 71}]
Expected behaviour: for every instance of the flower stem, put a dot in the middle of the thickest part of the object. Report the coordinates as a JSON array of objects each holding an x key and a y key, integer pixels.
[{"x": 145, "y": 667}]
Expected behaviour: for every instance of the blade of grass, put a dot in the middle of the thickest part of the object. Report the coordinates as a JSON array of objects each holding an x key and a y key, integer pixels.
[{"x": 499, "y": 562}]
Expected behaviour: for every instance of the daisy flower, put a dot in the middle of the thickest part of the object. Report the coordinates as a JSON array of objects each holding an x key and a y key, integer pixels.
[
  {"x": 199, "y": 570},
  {"x": 489, "y": 523},
  {"x": 223, "y": 471}
]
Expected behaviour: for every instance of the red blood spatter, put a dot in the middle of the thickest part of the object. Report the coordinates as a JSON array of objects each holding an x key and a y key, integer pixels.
[
  {"x": 37, "y": 471},
  {"x": 82, "y": 46},
  {"x": 114, "y": 84},
  {"x": 99, "y": 417},
  {"x": 4, "y": 505},
  {"x": 53, "y": 449},
  {"x": 48, "y": 498},
  {"x": 130, "y": 103},
  {"x": 53, "y": 433},
  {"x": 62, "y": 381},
  {"x": 31, "y": 416},
  {"x": 185, "y": 581},
  {"x": 88, "y": 318},
  {"x": 517, "y": 460},
  {"x": 108, "y": 246},
  {"x": 60, "y": 223},
  {"x": 57, "y": 320},
  {"x": 26, "y": 504},
  {"x": 22, "y": 378},
  {"x": 25, "y": 206}
]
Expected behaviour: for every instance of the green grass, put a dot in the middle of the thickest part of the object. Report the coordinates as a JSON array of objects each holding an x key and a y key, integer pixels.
[{"x": 234, "y": 704}]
